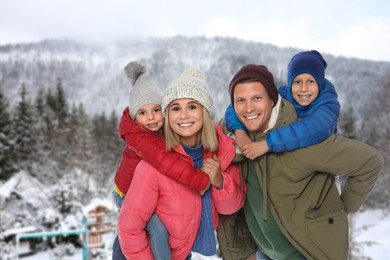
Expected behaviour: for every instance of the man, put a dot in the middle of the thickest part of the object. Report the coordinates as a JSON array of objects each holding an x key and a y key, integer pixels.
[{"x": 293, "y": 209}]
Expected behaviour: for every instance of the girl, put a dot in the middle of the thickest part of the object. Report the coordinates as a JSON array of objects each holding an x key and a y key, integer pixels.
[{"x": 141, "y": 127}]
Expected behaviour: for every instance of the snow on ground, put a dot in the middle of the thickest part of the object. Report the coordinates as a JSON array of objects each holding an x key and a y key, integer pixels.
[
  {"x": 47, "y": 256},
  {"x": 377, "y": 230},
  {"x": 374, "y": 226}
]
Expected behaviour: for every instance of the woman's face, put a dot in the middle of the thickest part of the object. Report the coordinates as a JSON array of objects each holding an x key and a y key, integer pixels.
[{"x": 186, "y": 120}]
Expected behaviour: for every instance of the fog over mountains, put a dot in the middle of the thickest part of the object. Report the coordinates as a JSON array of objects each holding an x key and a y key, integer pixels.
[{"x": 93, "y": 73}]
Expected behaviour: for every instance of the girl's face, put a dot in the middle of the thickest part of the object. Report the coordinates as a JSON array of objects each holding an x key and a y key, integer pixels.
[
  {"x": 186, "y": 119},
  {"x": 150, "y": 117},
  {"x": 304, "y": 89}
]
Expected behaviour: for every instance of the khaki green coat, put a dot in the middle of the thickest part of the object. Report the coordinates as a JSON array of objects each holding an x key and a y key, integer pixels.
[{"x": 302, "y": 195}]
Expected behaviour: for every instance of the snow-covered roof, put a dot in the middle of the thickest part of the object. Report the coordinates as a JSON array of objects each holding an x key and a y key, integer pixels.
[
  {"x": 21, "y": 230},
  {"x": 98, "y": 202},
  {"x": 7, "y": 188}
]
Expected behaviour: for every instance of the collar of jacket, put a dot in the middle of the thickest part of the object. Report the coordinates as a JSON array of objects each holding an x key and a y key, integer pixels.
[{"x": 128, "y": 126}]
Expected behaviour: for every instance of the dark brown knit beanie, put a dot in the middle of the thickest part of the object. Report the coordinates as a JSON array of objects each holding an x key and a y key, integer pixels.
[{"x": 257, "y": 72}]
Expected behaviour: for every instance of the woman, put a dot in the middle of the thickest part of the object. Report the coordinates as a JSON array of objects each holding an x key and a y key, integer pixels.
[{"x": 190, "y": 218}]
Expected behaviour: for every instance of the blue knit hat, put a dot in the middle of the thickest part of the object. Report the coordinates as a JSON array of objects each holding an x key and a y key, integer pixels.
[{"x": 307, "y": 62}]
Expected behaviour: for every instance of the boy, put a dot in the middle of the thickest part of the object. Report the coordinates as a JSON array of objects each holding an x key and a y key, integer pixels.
[{"x": 315, "y": 101}]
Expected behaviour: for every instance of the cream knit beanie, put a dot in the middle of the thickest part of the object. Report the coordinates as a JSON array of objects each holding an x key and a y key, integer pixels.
[{"x": 190, "y": 84}]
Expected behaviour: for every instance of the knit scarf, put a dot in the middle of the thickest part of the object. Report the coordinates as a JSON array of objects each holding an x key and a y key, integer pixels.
[{"x": 205, "y": 240}]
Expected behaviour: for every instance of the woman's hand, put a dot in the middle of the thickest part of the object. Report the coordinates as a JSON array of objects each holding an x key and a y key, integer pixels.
[{"x": 212, "y": 167}]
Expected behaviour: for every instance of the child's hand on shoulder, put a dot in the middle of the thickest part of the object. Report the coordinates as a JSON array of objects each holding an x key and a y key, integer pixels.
[
  {"x": 255, "y": 149},
  {"x": 242, "y": 138}
]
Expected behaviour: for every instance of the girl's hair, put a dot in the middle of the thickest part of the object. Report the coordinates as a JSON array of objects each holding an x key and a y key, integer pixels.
[{"x": 209, "y": 138}]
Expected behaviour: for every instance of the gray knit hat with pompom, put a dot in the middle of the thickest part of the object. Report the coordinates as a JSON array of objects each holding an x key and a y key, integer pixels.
[
  {"x": 190, "y": 84},
  {"x": 144, "y": 90}
]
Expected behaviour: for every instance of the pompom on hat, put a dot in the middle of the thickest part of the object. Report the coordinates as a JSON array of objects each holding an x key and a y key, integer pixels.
[
  {"x": 190, "y": 84},
  {"x": 256, "y": 72},
  {"x": 144, "y": 90},
  {"x": 310, "y": 62}
]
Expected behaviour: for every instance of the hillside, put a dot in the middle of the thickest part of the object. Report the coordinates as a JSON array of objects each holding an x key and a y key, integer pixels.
[{"x": 92, "y": 73}]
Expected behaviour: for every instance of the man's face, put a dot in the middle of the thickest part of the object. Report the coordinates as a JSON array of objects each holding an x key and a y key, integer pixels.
[{"x": 253, "y": 106}]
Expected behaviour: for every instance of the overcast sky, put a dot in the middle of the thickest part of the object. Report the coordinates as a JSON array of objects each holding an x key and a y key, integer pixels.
[{"x": 352, "y": 28}]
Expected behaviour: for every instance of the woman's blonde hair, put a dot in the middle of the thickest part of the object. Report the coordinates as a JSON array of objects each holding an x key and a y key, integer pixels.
[{"x": 209, "y": 138}]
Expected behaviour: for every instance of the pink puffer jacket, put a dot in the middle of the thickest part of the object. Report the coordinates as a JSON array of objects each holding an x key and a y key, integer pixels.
[{"x": 178, "y": 207}]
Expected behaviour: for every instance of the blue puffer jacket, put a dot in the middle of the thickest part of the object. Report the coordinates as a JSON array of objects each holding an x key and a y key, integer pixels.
[{"x": 317, "y": 121}]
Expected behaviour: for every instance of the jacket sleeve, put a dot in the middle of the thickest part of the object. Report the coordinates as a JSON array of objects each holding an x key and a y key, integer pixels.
[
  {"x": 316, "y": 125},
  {"x": 231, "y": 197},
  {"x": 341, "y": 156},
  {"x": 138, "y": 206},
  {"x": 239, "y": 156},
  {"x": 232, "y": 121},
  {"x": 153, "y": 150},
  {"x": 125, "y": 172}
]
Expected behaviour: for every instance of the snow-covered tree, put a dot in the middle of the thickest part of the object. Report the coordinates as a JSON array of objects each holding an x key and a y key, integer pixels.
[
  {"x": 79, "y": 137},
  {"x": 6, "y": 153},
  {"x": 376, "y": 132},
  {"x": 49, "y": 115},
  {"x": 65, "y": 196},
  {"x": 347, "y": 123},
  {"x": 62, "y": 108},
  {"x": 7, "y": 252},
  {"x": 23, "y": 134}
]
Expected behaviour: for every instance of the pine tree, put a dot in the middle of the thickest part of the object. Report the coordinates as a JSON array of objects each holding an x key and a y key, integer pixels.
[
  {"x": 24, "y": 137},
  {"x": 40, "y": 102},
  {"x": 347, "y": 122},
  {"x": 64, "y": 149},
  {"x": 6, "y": 156},
  {"x": 40, "y": 123},
  {"x": 49, "y": 115},
  {"x": 84, "y": 137},
  {"x": 114, "y": 144},
  {"x": 42, "y": 164},
  {"x": 62, "y": 108},
  {"x": 98, "y": 164}
]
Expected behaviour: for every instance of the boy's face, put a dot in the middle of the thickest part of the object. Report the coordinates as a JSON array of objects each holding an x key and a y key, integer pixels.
[
  {"x": 253, "y": 106},
  {"x": 304, "y": 89},
  {"x": 150, "y": 117}
]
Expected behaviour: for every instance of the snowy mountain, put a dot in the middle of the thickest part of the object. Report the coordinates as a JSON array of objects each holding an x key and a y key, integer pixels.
[{"x": 92, "y": 73}]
